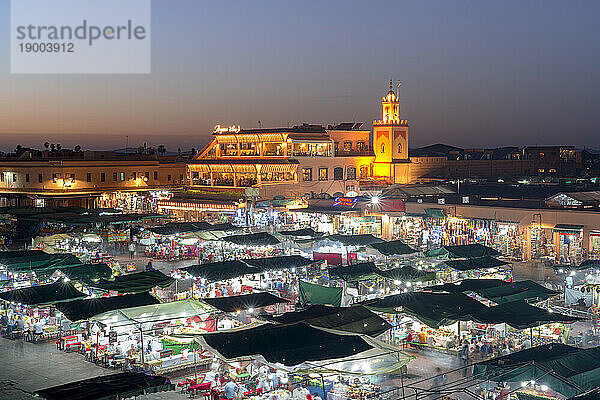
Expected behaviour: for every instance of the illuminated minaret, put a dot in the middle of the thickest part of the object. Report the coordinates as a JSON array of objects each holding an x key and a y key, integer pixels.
[{"x": 390, "y": 139}]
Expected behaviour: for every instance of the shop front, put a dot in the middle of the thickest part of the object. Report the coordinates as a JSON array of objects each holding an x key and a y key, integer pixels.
[{"x": 568, "y": 240}]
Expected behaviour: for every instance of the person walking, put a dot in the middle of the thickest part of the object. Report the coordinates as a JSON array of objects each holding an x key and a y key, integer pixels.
[
  {"x": 464, "y": 357},
  {"x": 437, "y": 383}
]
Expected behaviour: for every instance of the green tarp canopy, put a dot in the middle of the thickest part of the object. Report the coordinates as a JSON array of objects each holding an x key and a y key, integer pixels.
[
  {"x": 463, "y": 251},
  {"x": 355, "y": 240},
  {"x": 433, "y": 309},
  {"x": 355, "y": 319},
  {"x": 355, "y": 272},
  {"x": 567, "y": 228},
  {"x": 43, "y": 294},
  {"x": 87, "y": 271},
  {"x": 589, "y": 264},
  {"x": 277, "y": 263},
  {"x": 224, "y": 270},
  {"x": 474, "y": 263},
  {"x": 407, "y": 273},
  {"x": 244, "y": 301},
  {"x": 368, "y": 270},
  {"x": 252, "y": 239},
  {"x": 468, "y": 285},
  {"x": 174, "y": 228},
  {"x": 435, "y": 213},
  {"x": 134, "y": 283},
  {"x": 302, "y": 232},
  {"x": 220, "y": 271},
  {"x": 155, "y": 313},
  {"x": 310, "y": 293},
  {"x": 520, "y": 315},
  {"x": 286, "y": 344},
  {"x": 74, "y": 218},
  {"x": 36, "y": 260},
  {"x": 301, "y": 348},
  {"x": 108, "y": 387},
  {"x": 567, "y": 370},
  {"x": 78, "y": 310},
  {"x": 393, "y": 248},
  {"x": 522, "y": 290},
  {"x": 593, "y": 394}
]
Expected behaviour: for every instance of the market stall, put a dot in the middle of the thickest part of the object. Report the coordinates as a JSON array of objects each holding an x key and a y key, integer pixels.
[{"x": 121, "y": 386}]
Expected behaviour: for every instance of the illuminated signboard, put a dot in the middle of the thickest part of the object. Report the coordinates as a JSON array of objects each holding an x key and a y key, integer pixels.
[
  {"x": 227, "y": 129},
  {"x": 345, "y": 201}
]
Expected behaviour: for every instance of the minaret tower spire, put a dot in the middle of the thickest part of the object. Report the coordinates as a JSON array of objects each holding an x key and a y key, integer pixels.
[{"x": 390, "y": 139}]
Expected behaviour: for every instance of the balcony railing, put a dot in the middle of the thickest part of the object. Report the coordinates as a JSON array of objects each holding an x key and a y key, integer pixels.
[{"x": 354, "y": 153}]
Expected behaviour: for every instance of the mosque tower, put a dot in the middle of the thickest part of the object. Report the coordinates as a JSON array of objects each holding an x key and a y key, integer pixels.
[{"x": 390, "y": 140}]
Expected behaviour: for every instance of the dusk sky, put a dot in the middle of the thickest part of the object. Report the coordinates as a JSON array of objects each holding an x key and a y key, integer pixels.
[{"x": 475, "y": 73}]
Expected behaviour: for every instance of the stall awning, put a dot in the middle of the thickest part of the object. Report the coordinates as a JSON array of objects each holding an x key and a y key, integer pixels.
[
  {"x": 355, "y": 272},
  {"x": 301, "y": 348},
  {"x": 356, "y": 319},
  {"x": 393, "y": 248},
  {"x": 433, "y": 309},
  {"x": 522, "y": 290},
  {"x": 286, "y": 344},
  {"x": 355, "y": 240},
  {"x": 407, "y": 273},
  {"x": 368, "y": 270},
  {"x": 468, "y": 285},
  {"x": 43, "y": 294},
  {"x": 155, "y": 313},
  {"x": 220, "y": 271},
  {"x": 115, "y": 386},
  {"x": 520, "y": 315},
  {"x": 277, "y": 263},
  {"x": 36, "y": 260},
  {"x": 87, "y": 271},
  {"x": 463, "y": 251},
  {"x": 435, "y": 213},
  {"x": 244, "y": 302},
  {"x": 310, "y": 293},
  {"x": 567, "y": 228},
  {"x": 78, "y": 310},
  {"x": 589, "y": 264},
  {"x": 174, "y": 228},
  {"x": 567, "y": 370},
  {"x": 134, "y": 283},
  {"x": 252, "y": 239},
  {"x": 474, "y": 263},
  {"x": 302, "y": 233}
]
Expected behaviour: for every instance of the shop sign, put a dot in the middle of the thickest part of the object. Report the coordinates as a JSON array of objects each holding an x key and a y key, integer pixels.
[
  {"x": 227, "y": 129},
  {"x": 345, "y": 201},
  {"x": 112, "y": 337}
]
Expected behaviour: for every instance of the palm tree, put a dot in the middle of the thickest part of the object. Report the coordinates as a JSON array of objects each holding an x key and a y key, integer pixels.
[
  {"x": 46, "y": 145},
  {"x": 58, "y": 146},
  {"x": 161, "y": 149},
  {"x": 77, "y": 148},
  {"x": 52, "y": 146}
]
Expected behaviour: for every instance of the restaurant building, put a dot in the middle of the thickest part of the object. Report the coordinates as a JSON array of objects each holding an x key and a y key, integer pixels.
[{"x": 301, "y": 161}]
